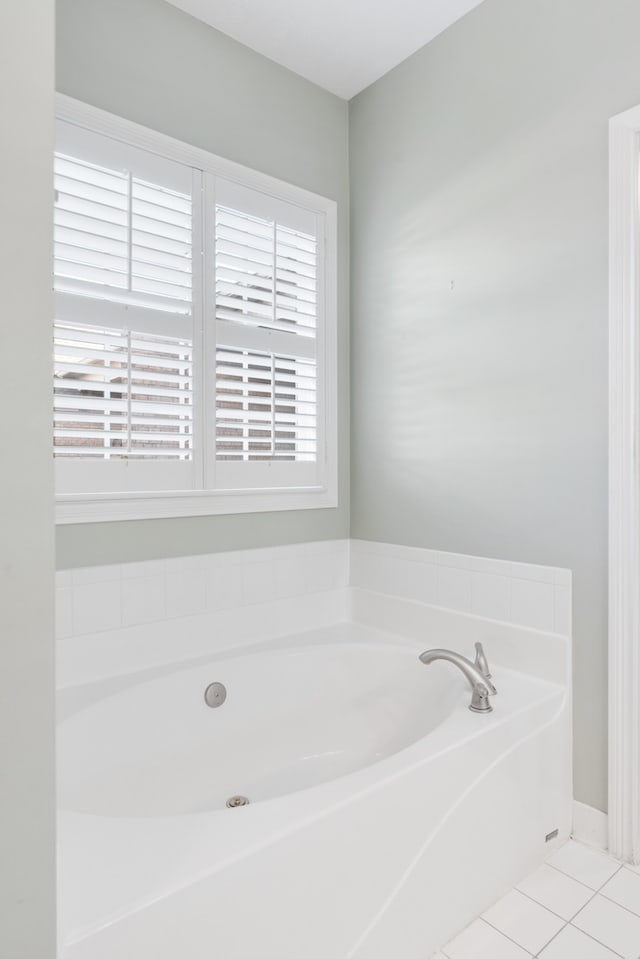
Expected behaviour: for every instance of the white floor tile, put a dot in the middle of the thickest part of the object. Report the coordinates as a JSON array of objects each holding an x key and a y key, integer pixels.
[
  {"x": 523, "y": 920},
  {"x": 481, "y": 941},
  {"x": 624, "y": 889},
  {"x": 611, "y": 925},
  {"x": 589, "y": 866},
  {"x": 557, "y": 892},
  {"x": 573, "y": 944}
]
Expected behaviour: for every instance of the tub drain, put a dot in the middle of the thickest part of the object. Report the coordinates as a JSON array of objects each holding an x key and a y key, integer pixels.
[{"x": 237, "y": 801}]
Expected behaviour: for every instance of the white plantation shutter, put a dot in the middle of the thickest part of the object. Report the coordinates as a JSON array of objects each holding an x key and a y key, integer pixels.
[
  {"x": 267, "y": 308},
  {"x": 161, "y": 243},
  {"x": 120, "y": 394},
  {"x": 120, "y": 238},
  {"x": 91, "y": 225},
  {"x": 192, "y": 353},
  {"x": 123, "y": 340},
  {"x": 122, "y": 223},
  {"x": 266, "y": 407},
  {"x": 266, "y": 274}
]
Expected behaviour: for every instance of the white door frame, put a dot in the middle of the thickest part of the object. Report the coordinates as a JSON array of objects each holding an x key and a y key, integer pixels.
[{"x": 624, "y": 487}]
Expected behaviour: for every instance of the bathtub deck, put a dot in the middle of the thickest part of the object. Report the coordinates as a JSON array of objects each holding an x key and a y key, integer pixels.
[{"x": 582, "y": 904}]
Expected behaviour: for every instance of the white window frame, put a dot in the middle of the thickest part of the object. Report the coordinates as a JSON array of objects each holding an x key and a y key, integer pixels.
[{"x": 100, "y": 507}]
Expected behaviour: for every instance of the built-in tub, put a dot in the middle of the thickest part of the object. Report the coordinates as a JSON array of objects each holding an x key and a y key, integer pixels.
[{"x": 383, "y": 814}]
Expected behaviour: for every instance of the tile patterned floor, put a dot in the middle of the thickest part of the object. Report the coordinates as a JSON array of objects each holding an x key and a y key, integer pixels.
[{"x": 582, "y": 904}]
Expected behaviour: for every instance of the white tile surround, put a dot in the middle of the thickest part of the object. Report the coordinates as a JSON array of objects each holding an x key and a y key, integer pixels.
[
  {"x": 104, "y": 598},
  {"x": 537, "y": 597},
  {"x": 134, "y": 616},
  {"x": 582, "y": 904},
  {"x": 151, "y": 613}
]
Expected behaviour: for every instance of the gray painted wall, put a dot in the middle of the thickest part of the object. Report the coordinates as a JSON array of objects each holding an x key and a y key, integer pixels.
[
  {"x": 27, "y": 794},
  {"x": 479, "y": 413},
  {"x": 150, "y": 62}
]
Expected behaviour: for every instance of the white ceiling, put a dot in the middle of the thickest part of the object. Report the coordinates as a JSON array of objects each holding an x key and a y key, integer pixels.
[{"x": 342, "y": 45}]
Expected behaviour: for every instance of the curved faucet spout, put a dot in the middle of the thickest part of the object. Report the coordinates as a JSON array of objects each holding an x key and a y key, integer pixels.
[{"x": 480, "y": 686}]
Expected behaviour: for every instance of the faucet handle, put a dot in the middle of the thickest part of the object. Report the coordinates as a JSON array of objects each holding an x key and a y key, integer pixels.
[{"x": 482, "y": 666}]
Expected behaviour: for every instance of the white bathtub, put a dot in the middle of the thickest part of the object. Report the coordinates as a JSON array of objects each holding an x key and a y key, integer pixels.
[{"x": 383, "y": 814}]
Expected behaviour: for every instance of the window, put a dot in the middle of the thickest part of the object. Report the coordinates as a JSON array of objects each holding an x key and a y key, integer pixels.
[{"x": 194, "y": 332}]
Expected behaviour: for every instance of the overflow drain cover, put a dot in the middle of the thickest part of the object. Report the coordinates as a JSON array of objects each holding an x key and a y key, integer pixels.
[
  {"x": 237, "y": 801},
  {"x": 215, "y": 694}
]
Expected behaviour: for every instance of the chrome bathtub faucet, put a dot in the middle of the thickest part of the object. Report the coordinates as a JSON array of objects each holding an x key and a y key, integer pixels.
[{"x": 480, "y": 682}]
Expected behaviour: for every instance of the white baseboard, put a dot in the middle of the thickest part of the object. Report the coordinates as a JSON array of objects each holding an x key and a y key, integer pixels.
[{"x": 590, "y": 825}]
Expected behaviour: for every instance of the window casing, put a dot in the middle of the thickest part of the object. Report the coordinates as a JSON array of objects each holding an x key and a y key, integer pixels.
[{"x": 195, "y": 330}]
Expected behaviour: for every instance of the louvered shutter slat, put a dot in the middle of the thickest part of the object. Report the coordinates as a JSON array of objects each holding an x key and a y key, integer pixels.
[
  {"x": 86, "y": 406},
  {"x": 180, "y": 262},
  {"x": 74, "y": 408},
  {"x": 110, "y": 195},
  {"x": 306, "y": 274},
  {"x": 78, "y": 255},
  {"x": 70, "y": 239},
  {"x": 105, "y": 275},
  {"x": 93, "y": 366},
  {"x": 156, "y": 229},
  {"x": 299, "y": 311},
  {"x": 86, "y": 233},
  {"x": 293, "y": 259},
  {"x": 251, "y": 306},
  {"x": 245, "y": 255},
  {"x": 89, "y": 173},
  {"x": 237, "y": 238},
  {"x": 294, "y": 290},
  {"x": 164, "y": 288},
  {"x": 160, "y": 244},
  {"x": 302, "y": 284},
  {"x": 161, "y": 217},
  {"x": 87, "y": 433},
  {"x": 100, "y": 212},
  {"x": 299, "y": 424}
]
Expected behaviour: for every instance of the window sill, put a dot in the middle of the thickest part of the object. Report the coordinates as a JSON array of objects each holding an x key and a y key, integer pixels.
[{"x": 110, "y": 507}]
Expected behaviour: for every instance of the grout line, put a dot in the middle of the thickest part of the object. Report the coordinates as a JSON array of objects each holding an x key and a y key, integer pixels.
[
  {"x": 565, "y": 922},
  {"x": 600, "y": 888},
  {"x": 569, "y": 876},
  {"x": 557, "y": 914},
  {"x": 546, "y": 945},
  {"x": 599, "y": 941},
  {"x": 538, "y": 903},
  {"x": 578, "y": 929},
  {"x": 619, "y": 904},
  {"x": 569, "y": 922},
  {"x": 600, "y": 893},
  {"x": 504, "y": 934}
]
